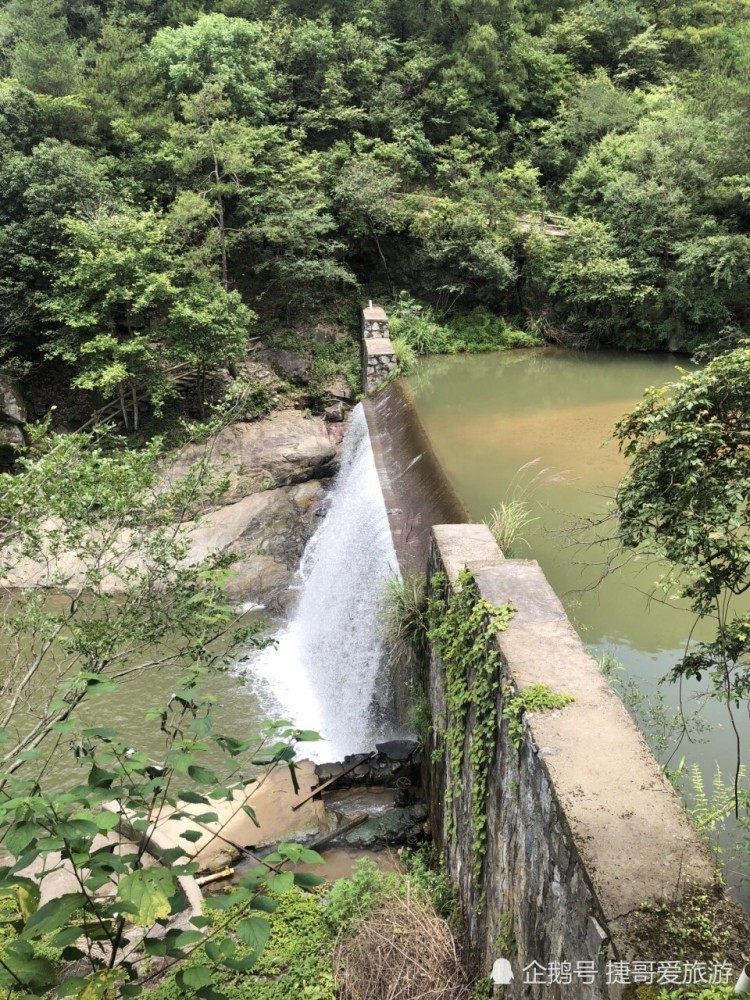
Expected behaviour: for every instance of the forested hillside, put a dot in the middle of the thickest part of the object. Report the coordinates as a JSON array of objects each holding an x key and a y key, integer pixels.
[{"x": 176, "y": 172}]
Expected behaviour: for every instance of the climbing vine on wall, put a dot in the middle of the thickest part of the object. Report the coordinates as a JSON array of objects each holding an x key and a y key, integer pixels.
[{"x": 462, "y": 627}]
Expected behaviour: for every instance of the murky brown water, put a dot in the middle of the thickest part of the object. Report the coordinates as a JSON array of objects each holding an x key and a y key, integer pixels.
[
  {"x": 489, "y": 416},
  {"x": 239, "y": 708}
]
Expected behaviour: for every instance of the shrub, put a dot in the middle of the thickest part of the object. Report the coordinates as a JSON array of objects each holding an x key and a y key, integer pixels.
[
  {"x": 507, "y": 520},
  {"x": 421, "y": 329},
  {"x": 352, "y": 899},
  {"x": 405, "y": 618}
]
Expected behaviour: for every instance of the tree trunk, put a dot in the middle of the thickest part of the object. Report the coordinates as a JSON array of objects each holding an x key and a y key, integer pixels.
[
  {"x": 220, "y": 220},
  {"x": 123, "y": 408}
]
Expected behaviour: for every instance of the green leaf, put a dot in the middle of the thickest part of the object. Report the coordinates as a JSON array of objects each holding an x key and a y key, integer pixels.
[
  {"x": 188, "y": 938},
  {"x": 249, "y": 811},
  {"x": 155, "y": 947},
  {"x": 220, "y": 950},
  {"x": 220, "y": 793},
  {"x": 20, "y": 835},
  {"x": 193, "y": 836},
  {"x": 76, "y": 829},
  {"x": 280, "y": 883},
  {"x": 56, "y": 913},
  {"x": 265, "y": 904},
  {"x": 99, "y": 778},
  {"x": 107, "y": 821},
  {"x": 36, "y": 973},
  {"x": 224, "y": 902},
  {"x": 100, "y": 733},
  {"x": 306, "y": 880},
  {"x": 179, "y": 871},
  {"x": 148, "y": 890},
  {"x": 202, "y": 775},
  {"x": 192, "y": 797},
  {"x": 101, "y": 984},
  {"x": 171, "y": 855},
  {"x": 309, "y": 857},
  {"x": 65, "y": 937},
  {"x": 25, "y": 892},
  {"x": 306, "y": 735},
  {"x": 195, "y": 977},
  {"x": 71, "y": 987},
  {"x": 253, "y": 932}
]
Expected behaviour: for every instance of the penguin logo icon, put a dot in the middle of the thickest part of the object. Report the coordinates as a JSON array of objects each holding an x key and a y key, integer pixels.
[{"x": 502, "y": 974}]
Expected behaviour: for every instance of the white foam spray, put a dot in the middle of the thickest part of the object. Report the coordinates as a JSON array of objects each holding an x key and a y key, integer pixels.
[{"x": 323, "y": 672}]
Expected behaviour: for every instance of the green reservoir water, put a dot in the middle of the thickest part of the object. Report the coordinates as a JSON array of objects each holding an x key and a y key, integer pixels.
[{"x": 488, "y": 417}]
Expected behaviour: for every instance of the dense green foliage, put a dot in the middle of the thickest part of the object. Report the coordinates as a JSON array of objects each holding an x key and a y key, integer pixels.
[
  {"x": 685, "y": 499},
  {"x": 297, "y": 960},
  {"x": 173, "y": 168}
]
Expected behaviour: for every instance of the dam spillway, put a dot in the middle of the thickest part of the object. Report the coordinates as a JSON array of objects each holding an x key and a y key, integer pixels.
[
  {"x": 324, "y": 670},
  {"x": 416, "y": 490},
  {"x": 327, "y": 671}
]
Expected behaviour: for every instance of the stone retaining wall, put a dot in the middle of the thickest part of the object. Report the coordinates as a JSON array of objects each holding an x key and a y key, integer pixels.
[
  {"x": 378, "y": 355},
  {"x": 582, "y": 825}
]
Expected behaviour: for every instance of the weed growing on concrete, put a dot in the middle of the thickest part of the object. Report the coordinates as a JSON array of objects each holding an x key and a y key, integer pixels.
[
  {"x": 353, "y": 899},
  {"x": 514, "y": 513},
  {"x": 698, "y": 924},
  {"x": 507, "y": 520},
  {"x": 537, "y": 698},
  {"x": 711, "y": 992},
  {"x": 425, "y": 871},
  {"x": 505, "y": 942},
  {"x": 405, "y": 355},
  {"x": 419, "y": 717}
]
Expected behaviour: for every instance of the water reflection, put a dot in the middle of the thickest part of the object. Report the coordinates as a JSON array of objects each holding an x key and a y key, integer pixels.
[{"x": 550, "y": 414}]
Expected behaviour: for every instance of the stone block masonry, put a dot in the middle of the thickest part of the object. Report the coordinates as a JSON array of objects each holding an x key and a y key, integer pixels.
[
  {"x": 375, "y": 322},
  {"x": 378, "y": 355},
  {"x": 582, "y": 825}
]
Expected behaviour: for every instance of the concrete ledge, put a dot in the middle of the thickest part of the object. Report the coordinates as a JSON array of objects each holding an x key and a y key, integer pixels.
[
  {"x": 583, "y": 827},
  {"x": 465, "y": 546},
  {"x": 374, "y": 313}
]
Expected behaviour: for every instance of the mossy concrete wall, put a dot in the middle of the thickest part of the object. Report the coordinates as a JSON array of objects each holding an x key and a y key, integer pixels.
[{"x": 583, "y": 827}]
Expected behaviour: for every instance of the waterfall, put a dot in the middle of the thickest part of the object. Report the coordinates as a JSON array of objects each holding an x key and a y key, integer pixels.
[{"x": 324, "y": 670}]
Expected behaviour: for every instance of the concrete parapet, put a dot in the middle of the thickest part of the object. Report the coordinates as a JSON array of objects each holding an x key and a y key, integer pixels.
[{"x": 582, "y": 825}]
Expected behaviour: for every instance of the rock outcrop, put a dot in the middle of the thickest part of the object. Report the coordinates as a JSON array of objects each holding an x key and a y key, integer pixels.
[
  {"x": 12, "y": 406},
  {"x": 266, "y": 533},
  {"x": 278, "y": 470},
  {"x": 12, "y": 418},
  {"x": 284, "y": 449}
]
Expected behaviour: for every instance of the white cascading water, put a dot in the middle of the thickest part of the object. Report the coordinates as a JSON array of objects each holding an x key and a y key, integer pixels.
[{"x": 324, "y": 669}]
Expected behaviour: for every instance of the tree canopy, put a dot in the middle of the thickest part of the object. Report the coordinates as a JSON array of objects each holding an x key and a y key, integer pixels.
[
  {"x": 288, "y": 152},
  {"x": 686, "y": 499}
]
